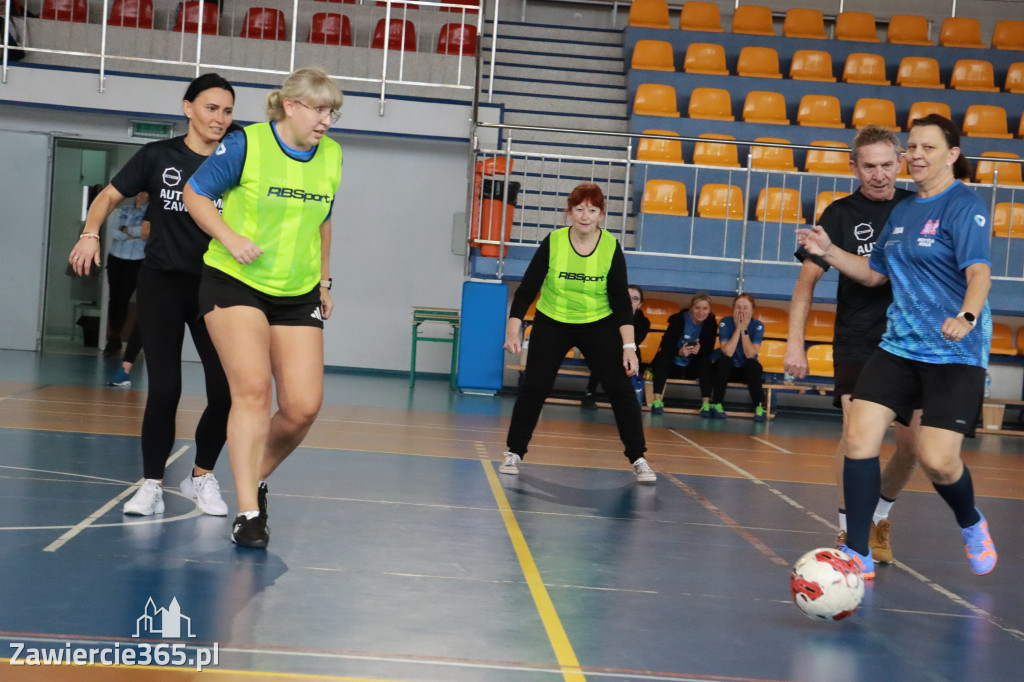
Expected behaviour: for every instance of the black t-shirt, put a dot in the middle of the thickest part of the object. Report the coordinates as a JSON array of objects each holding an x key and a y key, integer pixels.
[
  {"x": 853, "y": 224},
  {"x": 175, "y": 244}
]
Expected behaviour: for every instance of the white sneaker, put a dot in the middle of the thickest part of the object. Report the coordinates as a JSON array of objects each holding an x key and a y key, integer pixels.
[
  {"x": 147, "y": 500},
  {"x": 205, "y": 490},
  {"x": 643, "y": 472},
  {"x": 511, "y": 464}
]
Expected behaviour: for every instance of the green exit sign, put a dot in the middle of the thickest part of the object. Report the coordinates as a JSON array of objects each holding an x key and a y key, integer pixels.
[{"x": 151, "y": 130}]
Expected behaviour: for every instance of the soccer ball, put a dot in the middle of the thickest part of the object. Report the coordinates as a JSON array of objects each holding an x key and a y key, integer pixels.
[{"x": 827, "y": 584}]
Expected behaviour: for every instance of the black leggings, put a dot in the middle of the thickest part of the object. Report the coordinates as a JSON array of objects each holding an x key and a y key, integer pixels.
[
  {"x": 122, "y": 276},
  {"x": 664, "y": 368},
  {"x": 168, "y": 301},
  {"x": 749, "y": 374},
  {"x": 601, "y": 345}
]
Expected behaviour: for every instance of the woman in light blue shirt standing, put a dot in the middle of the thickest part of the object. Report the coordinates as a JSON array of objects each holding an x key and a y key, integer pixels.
[{"x": 127, "y": 249}]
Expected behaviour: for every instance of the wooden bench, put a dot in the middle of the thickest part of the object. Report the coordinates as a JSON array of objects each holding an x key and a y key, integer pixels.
[{"x": 992, "y": 410}]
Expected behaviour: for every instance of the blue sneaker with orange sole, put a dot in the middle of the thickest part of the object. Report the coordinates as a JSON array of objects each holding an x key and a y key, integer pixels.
[
  {"x": 867, "y": 563},
  {"x": 981, "y": 551}
]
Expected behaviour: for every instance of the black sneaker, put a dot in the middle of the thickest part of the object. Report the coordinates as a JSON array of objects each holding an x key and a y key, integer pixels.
[
  {"x": 246, "y": 532},
  {"x": 261, "y": 502},
  {"x": 588, "y": 402}
]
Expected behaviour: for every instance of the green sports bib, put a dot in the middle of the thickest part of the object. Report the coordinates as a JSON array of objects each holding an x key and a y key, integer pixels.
[{"x": 575, "y": 289}]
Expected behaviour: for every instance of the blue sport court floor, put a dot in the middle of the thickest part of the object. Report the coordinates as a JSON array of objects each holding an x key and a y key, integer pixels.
[{"x": 398, "y": 553}]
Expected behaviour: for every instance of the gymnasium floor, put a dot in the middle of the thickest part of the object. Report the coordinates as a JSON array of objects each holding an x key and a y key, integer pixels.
[{"x": 399, "y": 553}]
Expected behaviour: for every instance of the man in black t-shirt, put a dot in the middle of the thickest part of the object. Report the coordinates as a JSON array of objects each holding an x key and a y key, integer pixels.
[{"x": 854, "y": 223}]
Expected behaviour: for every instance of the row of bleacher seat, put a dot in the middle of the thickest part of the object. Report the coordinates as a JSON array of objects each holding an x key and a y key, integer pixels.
[
  {"x": 823, "y": 111},
  {"x": 903, "y": 29},
  {"x": 268, "y": 23},
  {"x": 816, "y": 65},
  {"x": 827, "y": 161}
]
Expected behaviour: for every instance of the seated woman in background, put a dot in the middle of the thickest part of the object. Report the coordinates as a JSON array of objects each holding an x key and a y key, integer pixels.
[
  {"x": 739, "y": 337},
  {"x": 685, "y": 352},
  {"x": 641, "y": 325}
]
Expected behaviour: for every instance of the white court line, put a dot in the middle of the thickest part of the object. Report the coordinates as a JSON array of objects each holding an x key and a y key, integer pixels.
[
  {"x": 96, "y": 515},
  {"x": 952, "y": 596},
  {"x": 772, "y": 445}
]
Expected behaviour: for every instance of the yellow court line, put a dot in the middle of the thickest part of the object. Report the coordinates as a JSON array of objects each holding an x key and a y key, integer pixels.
[
  {"x": 218, "y": 671},
  {"x": 567, "y": 661}
]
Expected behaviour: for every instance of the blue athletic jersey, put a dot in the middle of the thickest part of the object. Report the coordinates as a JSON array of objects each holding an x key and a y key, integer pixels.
[
  {"x": 924, "y": 248},
  {"x": 223, "y": 168},
  {"x": 755, "y": 330},
  {"x": 691, "y": 334}
]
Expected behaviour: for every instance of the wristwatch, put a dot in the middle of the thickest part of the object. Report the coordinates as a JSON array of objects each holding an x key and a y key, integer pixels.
[
  {"x": 967, "y": 317},
  {"x": 746, "y": 333}
]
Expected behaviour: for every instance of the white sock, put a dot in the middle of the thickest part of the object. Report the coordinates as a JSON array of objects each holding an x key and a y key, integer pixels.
[
  {"x": 882, "y": 510},
  {"x": 251, "y": 514},
  {"x": 842, "y": 521}
]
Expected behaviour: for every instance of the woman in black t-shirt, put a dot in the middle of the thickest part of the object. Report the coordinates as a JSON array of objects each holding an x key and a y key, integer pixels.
[{"x": 167, "y": 293}]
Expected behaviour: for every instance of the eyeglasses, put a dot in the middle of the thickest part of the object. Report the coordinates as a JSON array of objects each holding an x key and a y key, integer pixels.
[
  {"x": 322, "y": 112},
  {"x": 635, "y": 298}
]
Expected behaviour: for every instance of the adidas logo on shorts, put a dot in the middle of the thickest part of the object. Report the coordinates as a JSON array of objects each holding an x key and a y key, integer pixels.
[{"x": 316, "y": 314}]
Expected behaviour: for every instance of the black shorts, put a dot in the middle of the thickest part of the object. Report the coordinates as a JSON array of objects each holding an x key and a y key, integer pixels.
[
  {"x": 948, "y": 395},
  {"x": 846, "y": 374},
  {"x": 220, "y": 290}
]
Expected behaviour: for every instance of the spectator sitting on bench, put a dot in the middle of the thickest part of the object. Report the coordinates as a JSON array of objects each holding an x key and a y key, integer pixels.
[
  {"x": 641, "y": 325},
  {"x": 739, "y": 338},
  {"x": 685, "y": 352}
]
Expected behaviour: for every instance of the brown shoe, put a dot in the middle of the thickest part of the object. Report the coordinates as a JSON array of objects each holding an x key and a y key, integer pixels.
[
  {"x": 840, "y": 539},
  {"x": 878, "y": 541}
]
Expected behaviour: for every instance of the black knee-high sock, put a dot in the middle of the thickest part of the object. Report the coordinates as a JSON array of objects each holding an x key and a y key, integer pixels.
[
  {"x": 862, "y": 481},
  {"x": 960, "y": 498}
]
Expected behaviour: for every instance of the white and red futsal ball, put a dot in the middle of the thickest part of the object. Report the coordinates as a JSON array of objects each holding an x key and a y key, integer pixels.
[{"x": 827, "y": 584}]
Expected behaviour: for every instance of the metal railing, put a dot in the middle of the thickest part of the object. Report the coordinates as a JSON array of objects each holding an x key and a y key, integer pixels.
[
  {"x": 95, "y": 43},
  {"x": 547, "y": 179}
]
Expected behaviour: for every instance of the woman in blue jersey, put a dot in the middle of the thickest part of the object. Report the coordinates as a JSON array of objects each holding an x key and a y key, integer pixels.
[
  {"x": 685, "y": 352},
  {"x": 580, "y": 273},
  {"x": 739, "y": 340},
  {"x": 167, "y": 291},
  {"x": 266, "y": 285},
  {"x": 934, "y": 249}
]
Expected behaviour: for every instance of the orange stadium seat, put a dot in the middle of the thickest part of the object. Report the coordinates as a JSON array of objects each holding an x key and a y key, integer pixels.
[
  {"x": 919, "y": 72},
  {"x": 700, "y": 16},
  {"x": 188, "y": 18},
  {"x": 1009, "y": 173},
  {"x": 330, "y": 28},
  {"x": 772, "y": 158},
  {"x": 771, "y": 353},
  {"x": 986, "y": 120},
  {"x": 812, "y": 65},
  {"x": 710, "y": 103},
  {"x": 878, "y": 111},
  {"x": 922, "y": 109},
  {"x": 759, "y": 62},
  {"x": 1020, "y": 127},
  {"x": 1008, "y": 35},
  {"x": 721, "y": 310},
  {"x": 908, "y": 29},
  {"x": 396, "y": 5},
  {"x": 865, "y": 69},
  {"x": 649, "y": 14},
  {"x": 804, "y": 23},
  {"x": 819, "y": 360},
  {"x": 666, "y": 151},
  {"x": 821, "y": 111},
  {"x": 664, "y": 197},
  {"x": 960, "y": 32},
  {"x": 1020, "y": 341},
  {"x": 753, "y": 20},
  {"x": 655, "y": 100},
  {"x": 856, "y": 26},
  {"x": 1008, "y": 220},
  {"x": 401, "y": 35},
  {"x": 776, "y": 321},
  {"x": 826, "y": 198},
  {"x": 716, "y": 153},
  {"x": 1002, "y": 340},
  {"x": 132, "y": 13},
  {"x": 821, "y": 323},
  {"x": 658, "y": 310},
  {"x": 450, "y": 2},
  {"x": 653, "y": 55},
  {"x": 706, "y": 58},
  {"x": 765, "y": 107},
  {"x": 648, "y": 348},
  {"x": 720, "y": 201},
  {"x": 973, "y": 74},
  {"x": 778, "y": 205},
  {"x": 1015, "y": 78},
  {"x": 457, "y": 39},
  {"x": 66, "y": 10},
  {"x": 824, "y": 161},
  {"x": 265, "y": 23}
]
